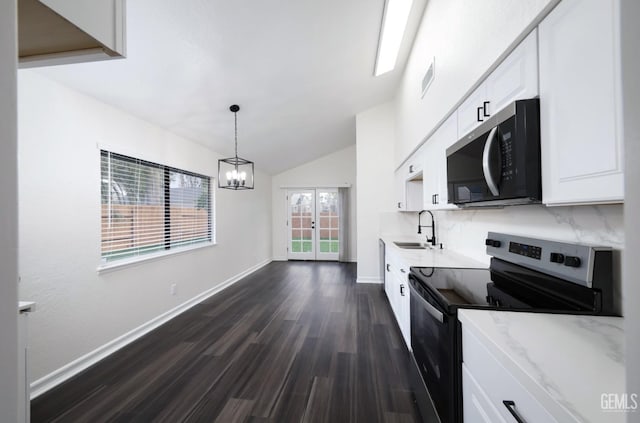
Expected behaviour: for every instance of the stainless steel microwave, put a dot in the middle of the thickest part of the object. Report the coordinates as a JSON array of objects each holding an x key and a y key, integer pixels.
[{"x": 498, "y": 163}]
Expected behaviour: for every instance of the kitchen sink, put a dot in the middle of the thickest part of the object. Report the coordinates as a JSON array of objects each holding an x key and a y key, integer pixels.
[{"x": 412, "y": 245}]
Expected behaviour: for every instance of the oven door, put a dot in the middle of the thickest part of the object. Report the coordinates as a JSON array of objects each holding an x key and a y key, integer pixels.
[{"x": 433, "y": 340}]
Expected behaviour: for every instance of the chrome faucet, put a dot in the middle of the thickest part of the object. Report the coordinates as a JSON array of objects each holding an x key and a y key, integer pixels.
[{"x": 432, "y": 226}]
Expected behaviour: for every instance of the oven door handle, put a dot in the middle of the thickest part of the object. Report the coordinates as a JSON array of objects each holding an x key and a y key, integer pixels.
[
  {"x": 434, "y": 312},
  {"x": 486, "y": 162}
]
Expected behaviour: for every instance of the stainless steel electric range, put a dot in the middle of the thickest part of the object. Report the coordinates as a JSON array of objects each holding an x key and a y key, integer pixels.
[{"x": 526, "y": 274}]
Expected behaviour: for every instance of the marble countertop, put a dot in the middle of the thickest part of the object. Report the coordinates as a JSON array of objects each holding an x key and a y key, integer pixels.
[
  {"x": 430, "y": 257},
  {"x": 580, "y": 359}
]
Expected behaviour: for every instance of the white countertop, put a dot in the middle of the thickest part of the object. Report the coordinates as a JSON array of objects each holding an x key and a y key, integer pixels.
[
  {"x": 431, "y": 257},
  {"x": 568, "y": 362}
]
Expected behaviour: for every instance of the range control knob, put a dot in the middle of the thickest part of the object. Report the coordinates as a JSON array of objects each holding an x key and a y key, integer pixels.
[
  {"x": 572, "y": 261},
  {"x": 557, "y": 258},
  {"x": 492, "y": 243}
]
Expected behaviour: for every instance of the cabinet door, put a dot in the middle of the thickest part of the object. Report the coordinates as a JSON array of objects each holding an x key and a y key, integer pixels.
[
  {"x": 102, "y": 19},
  {"x": 435, "y": 179},
  {"x": 404, "y": 317},
  {"x": 400, "y": 190},
  {"x": 517, "y": 76},
  {"x": 581, "y": 142},
  {"x": 469, "y": 117},
  {"x": 388, "y": 276}
]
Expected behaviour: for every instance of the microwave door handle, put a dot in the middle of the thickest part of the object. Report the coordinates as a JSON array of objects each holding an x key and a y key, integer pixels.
[{"x": 486, "y": 162}]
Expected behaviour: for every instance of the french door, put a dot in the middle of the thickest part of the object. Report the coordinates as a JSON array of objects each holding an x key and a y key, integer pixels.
[{"x": 313, "y": 224}]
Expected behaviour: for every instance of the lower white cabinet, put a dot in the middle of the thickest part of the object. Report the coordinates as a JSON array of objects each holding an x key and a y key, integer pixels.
[
  {"x": 397, "y": 290},
  {"x": 477, "y": 406},
  {"x": 24, "y": 388},
  {"x": 580, "y": 104},
  {"x": 490, "y": 392}
]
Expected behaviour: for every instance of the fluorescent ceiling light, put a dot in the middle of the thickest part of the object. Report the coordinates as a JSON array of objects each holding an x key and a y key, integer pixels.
[{"x": 396, "y": 14}]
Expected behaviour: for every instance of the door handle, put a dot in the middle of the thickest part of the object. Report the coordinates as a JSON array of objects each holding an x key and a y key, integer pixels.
[
  {"x": 388, "y": 268},
  {"x": 486, "y": 162},
  {"x": 478, "y": 114},
  {"x": 313, "y": 225},
  {"x": 399, "y": 205},
  {"x": 411, "y": 169},
  {"x": 402, "y": 270},
  {"x": 484, "y": 106},
  {"x": 434, "y": 312},
  {"x": 402, "y": 290},
  {"x": 511, "y": 406}
]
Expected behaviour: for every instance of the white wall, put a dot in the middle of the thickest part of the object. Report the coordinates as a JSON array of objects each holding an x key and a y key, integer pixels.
[
  {"x": 630, "y": 12},
  {"x": 466, "y": 37},
  {"x": 375, "y": 135},
  {"x": 8, "y": 215},
  {"x": 332, "y": 170},
  {"x": 80, "y": 310}
]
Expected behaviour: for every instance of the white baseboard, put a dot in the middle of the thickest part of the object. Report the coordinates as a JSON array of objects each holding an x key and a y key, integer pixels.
[
  {"x": 71, "y": 369},
  {"x": 369, "y": 279}
]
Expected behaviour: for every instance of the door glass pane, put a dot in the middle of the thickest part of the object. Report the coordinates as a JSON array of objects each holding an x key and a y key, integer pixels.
[{"x": 327, "y": 211}]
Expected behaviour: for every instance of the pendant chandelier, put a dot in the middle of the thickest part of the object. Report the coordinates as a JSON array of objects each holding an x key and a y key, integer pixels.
[{"x": 235, "y": 172}]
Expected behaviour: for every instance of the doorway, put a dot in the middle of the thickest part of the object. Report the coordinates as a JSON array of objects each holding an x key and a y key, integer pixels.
[{"x": 313, "y": 224}]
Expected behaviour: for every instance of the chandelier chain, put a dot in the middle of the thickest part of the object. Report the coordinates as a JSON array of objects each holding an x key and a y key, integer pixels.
[{"x": 235, "y": 118}]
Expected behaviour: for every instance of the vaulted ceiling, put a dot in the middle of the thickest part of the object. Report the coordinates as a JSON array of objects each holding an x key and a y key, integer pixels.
[{"x": 299, "y": 69}]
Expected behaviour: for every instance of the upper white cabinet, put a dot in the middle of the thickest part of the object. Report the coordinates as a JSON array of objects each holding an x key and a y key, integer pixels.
[
  {"x": 408, "y": 183},
  {"x": 435, "y": 168},
  {"x": 515, "y": 78},
  {"x": 580, "y": 102},
  {"x": 52, "y": 32}
]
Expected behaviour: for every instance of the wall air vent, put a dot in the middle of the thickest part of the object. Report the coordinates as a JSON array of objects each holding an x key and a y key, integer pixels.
[{"x": 428, "y": 77}]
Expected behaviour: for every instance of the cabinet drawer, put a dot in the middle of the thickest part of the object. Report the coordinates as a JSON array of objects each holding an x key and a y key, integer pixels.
[
  {"x": 499, "y": 384},
  {"x": 477, "y": 406}
]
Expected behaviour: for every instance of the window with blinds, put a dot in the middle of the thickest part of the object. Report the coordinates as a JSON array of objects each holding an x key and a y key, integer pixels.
[{"x": 148, "y": 207}]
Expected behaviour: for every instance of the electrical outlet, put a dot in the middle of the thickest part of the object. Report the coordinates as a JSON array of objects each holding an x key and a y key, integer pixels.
[{"x": 173, "y": 289}]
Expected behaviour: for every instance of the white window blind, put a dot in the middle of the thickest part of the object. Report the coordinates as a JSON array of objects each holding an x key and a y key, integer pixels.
[{"x": 147, "y": 207}]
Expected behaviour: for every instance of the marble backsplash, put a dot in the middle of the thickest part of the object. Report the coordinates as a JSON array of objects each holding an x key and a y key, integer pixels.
[{"x": 464, "y": 231}]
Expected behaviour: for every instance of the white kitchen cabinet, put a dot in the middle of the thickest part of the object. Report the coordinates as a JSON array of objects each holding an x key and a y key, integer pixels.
[
  {"x": 580, "y": 104},
  {"x": 24, "y": 389},
  {"x": 477, "y": 407},
  {"x": 435, "y": 168},
  {"x": 516, "y": 78},
  {"x": 488, "y": 387},
  {"x": 397, "y": 290},
  {"x": 408, "y": 183},
  {"x": 399, "y": 184},
  {"x": 53, "y": 32}
]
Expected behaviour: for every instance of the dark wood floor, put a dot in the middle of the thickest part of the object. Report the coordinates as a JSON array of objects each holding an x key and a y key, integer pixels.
[{"x": 293, "y": 342}]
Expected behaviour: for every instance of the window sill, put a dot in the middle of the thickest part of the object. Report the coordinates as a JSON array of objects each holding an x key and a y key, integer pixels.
[{"x": 109, "y": 267}]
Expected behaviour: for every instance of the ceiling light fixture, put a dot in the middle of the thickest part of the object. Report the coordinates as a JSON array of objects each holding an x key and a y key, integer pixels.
[
  {"x": 235, "y": 172},
  {"x": 394, "y": 23}
]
